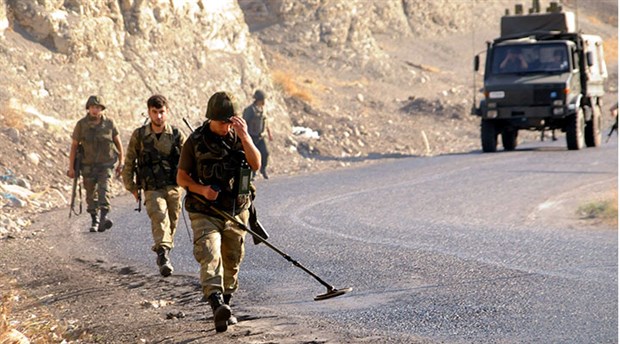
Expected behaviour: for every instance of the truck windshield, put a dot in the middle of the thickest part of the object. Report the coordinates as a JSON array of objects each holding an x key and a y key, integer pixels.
[{"x": 533, "y": 58}]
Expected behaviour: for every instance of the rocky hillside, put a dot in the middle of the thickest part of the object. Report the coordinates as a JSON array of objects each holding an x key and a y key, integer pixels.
[{"x": 348, "y": 81}]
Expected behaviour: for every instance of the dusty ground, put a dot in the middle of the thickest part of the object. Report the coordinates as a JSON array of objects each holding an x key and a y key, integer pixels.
[
  {"x": 92, "y": 301},
  {"x": 361, "y": 118}
]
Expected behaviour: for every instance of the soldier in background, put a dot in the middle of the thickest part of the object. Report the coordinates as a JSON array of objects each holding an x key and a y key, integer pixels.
[
  {"x": 258, "y": 127},
  {"x": 98, "y": 137},
  {"x": 152, "y": 157},
  {"x": 208, "y": 170}
]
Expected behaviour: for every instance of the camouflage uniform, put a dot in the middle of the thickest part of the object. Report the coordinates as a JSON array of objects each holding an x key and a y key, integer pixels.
[
  {"x": 98, "y": 160},
  {"x": 155, "y": 159},
  {"x": 218, "y": 244},
  {"x": 213, "y": 169}
]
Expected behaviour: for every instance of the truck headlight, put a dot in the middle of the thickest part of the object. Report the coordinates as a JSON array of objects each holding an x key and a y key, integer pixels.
[
  {"x": 491, "y": 113},
  {"x": 497, "y": 94},
  {"x": 558, "y": 102}
]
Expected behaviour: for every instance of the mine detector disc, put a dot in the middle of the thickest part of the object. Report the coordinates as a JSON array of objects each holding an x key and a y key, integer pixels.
[{"x": 332, "y": 293}]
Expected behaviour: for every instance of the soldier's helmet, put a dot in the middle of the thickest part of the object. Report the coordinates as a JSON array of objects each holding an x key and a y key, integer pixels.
[
  {"x": 95, "y": 100},
  {"x": 259, "y": 95},
  {"x": 222, "y": 107}
]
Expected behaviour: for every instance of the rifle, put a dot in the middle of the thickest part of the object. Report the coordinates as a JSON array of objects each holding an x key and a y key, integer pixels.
[
  {"x": 139, "y": 184},
  {"x": 258, "y": 232},
  {"x": 137, "y": 173},
  {"x": 77, "y": 166},
  {"x": 613, "y": 128}
]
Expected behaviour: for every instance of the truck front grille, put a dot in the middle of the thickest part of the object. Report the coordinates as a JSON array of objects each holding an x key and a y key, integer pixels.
[{"x": 546, "y": 96}]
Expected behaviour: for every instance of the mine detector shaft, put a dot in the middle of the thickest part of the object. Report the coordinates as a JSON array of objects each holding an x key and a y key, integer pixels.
[{"x": 558, "y": 86}]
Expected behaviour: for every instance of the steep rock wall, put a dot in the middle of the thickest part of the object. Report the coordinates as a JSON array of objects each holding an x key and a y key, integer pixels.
[{"x": 56, "y": 53}]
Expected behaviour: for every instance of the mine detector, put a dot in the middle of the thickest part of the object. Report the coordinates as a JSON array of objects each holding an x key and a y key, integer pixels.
[{"x": 545, "y": 95}]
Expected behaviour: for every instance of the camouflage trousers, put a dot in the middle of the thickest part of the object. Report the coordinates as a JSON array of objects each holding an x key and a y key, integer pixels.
[
  {"x": 97, "y": 182},
  {"x": 163, "y": 207},
  {"x": 219, "y": 248}
]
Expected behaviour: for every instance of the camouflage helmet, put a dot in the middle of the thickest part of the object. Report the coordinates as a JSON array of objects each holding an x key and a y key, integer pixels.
[
  {"x": 95, "y": 100},
  {"x": 222, "y": 107},
  {"x": 259, "y": 95}
]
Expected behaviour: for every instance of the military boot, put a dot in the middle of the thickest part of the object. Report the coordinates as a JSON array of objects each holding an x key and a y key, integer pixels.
[
  {"x": 104, "y": 222},
  {"x": 94, "y": 222},
  {"x": 163, "y": 261},
  {"x": 233, "y": 319},
  {"x": 221, "y": 311}
]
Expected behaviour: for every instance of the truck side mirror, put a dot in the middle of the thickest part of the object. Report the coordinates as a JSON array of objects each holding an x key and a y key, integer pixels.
[
  {"x": 589, "y": 58},
  {"x": 476, "y": 63}
]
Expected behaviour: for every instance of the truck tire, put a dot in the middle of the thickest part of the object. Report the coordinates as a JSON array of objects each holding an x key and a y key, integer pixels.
[
  {"x": 509, "y": 138},
  {"x": 575, "y": 127},
  {"x": 593, "y": 128},
  {"x": 488, "y": 136}
]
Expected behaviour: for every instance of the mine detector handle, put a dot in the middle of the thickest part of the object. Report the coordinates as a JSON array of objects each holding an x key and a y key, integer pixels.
[
  {"x": 77, "y": 166},
  {"x": 256, "y": 236},
  {"x": 259, "y": 233}
]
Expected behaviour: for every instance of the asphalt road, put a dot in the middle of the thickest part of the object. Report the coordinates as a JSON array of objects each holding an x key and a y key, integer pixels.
[{"x": 453, "y": 249}]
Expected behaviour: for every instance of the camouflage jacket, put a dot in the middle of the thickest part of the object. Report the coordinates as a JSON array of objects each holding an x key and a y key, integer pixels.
[
  {"x": 97, "y": 140},
  {"x": 151, "y": 159},
  {"x": 216, "y": 161}
]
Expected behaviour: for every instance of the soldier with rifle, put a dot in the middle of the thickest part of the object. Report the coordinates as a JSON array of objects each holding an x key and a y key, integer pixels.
[
  {"x": 153, "y": 154},
  {"x": 215, "y": 169},
  {"x": 99, "y": 137}
]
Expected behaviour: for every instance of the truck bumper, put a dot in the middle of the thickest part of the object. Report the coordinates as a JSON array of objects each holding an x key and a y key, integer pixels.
[{"x": 532, "y": 117}]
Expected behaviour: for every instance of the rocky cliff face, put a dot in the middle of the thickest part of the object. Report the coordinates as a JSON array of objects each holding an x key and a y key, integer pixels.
[{"x": 56, "y": 53}]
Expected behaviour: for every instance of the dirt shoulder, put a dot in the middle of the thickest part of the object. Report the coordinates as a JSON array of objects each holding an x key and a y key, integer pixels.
[{"x": 54, "y": 295}]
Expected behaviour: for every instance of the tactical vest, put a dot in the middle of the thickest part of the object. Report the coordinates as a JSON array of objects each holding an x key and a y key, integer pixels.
[
  {"x": 218, "y": 160},
  {"x": 255, "y": 121},
  {"x": 156, "y": 169},
  {"x": 98, "y": 143}
]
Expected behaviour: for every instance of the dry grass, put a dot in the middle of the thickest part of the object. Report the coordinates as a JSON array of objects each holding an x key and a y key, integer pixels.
[
  {"x": 594, "y": 20},
  {"x": 32, "y": 320},
  {"x": 288, "y": 84},
  {"x": 605, "y": 210},
  {"x": 11, "y": 117},
  {"x": 611, "y": 50}
]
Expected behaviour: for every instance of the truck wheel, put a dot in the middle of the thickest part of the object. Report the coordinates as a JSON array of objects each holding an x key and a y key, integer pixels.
[
  {"x": 509, "y": 138},
  {"x": 593, "y": 128},
  {"x": 575, "y": 127},
  {"x": 488, "y": 135}
]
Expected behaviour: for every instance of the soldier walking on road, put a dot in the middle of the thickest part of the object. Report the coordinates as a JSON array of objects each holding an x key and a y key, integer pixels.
[
  {"x": 152, "y": 158},
  {"x": 98, "y": 138},
  {"x": 258, "y": 127},
  {"x": 212, "y": 160}
]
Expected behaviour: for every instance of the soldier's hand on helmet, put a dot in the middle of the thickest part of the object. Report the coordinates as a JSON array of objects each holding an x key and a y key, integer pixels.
[{"x": 240, "y": 126}]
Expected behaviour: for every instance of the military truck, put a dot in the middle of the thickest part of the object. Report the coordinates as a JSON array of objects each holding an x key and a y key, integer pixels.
[{"x": 541, "y": 74}]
